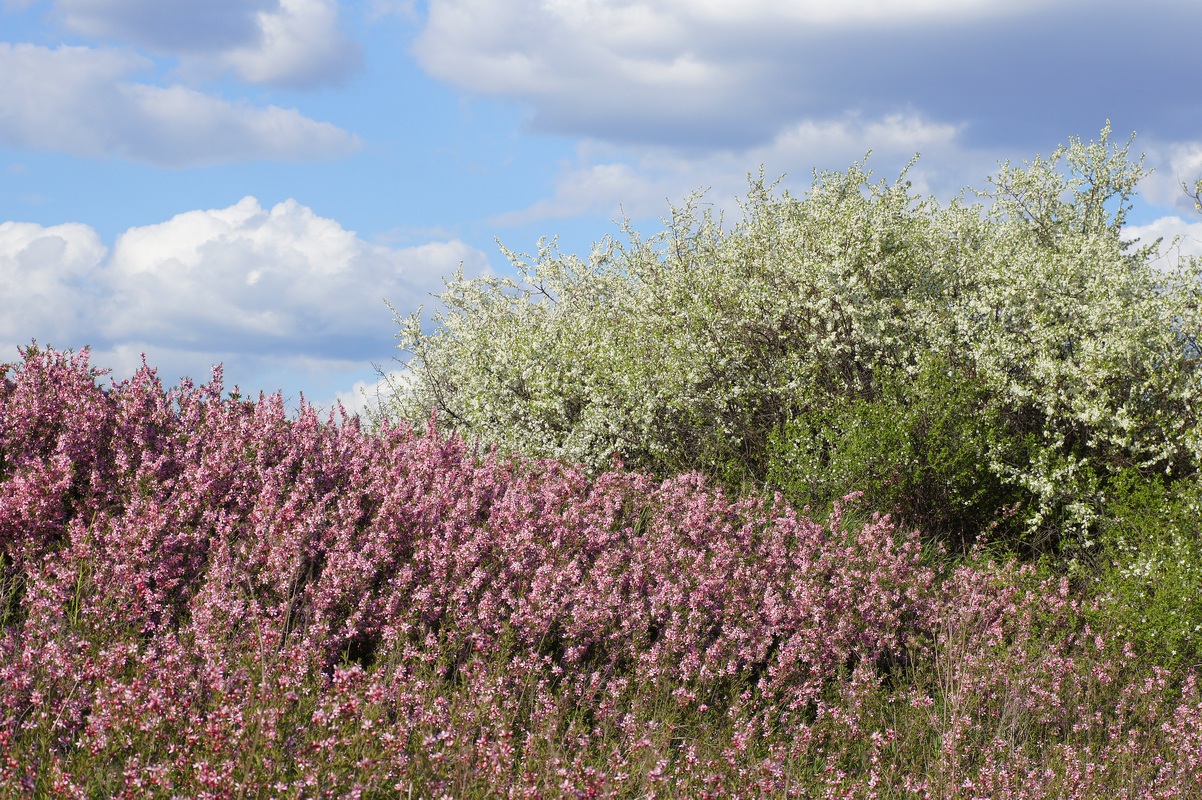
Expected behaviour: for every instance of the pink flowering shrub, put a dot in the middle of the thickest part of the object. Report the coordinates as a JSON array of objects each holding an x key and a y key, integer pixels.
[{"x": 203, "y": 597}]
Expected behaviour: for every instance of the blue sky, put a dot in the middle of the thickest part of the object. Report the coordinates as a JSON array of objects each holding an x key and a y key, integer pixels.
[{"x": 247, "y": 181}]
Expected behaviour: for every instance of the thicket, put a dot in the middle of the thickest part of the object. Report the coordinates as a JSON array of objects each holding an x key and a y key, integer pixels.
[
  {"x": 1006, "y": 360},
  {"x": 203, "y": 597}
]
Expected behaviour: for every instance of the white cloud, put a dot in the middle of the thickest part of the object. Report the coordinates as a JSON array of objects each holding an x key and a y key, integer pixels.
[
  {"x": 579, "y": 64},
  {"x": 597, "y": 188},
  {"x": 47, "y": 281},
  {"x": 832, "y": 12},
  {"x": 1173, "y": 164},
  {"x": 643, "y": 181},
  {"x": 299, "y": 46},
  {"x": 680, "y": 71},
  {"x": 273, "y": 293},
  {"x": 713, "y": 75},
  {"x": 288, "y": 43},
  {"x": 80, "y": 100},
  {"x": 364, "y": 396},
  {"x": 283, "y": 279},
  {"x": 1181, "y": 237},
  {"x": 177, "y": 26}
]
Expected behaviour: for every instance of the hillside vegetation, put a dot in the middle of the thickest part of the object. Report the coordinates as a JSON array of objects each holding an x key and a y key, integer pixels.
[{"x": 994, "y": 592}]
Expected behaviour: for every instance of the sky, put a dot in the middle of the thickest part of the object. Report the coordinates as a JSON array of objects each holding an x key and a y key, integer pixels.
[{"x": 255, "y": 182}]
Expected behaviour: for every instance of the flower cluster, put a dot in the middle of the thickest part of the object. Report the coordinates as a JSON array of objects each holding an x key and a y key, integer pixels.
[{"x": 203, "y": 596}]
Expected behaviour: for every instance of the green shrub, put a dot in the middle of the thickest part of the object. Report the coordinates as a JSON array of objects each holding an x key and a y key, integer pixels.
[
  {"x": 1149, "y": 567},
  {"x": 919, "y": 449}
]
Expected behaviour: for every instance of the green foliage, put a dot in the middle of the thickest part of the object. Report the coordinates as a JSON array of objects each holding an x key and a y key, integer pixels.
[
  {"x": 919, "y": 448},
  {"x": 1150, "y": 568},
  {"x": 950, "y": 360}
]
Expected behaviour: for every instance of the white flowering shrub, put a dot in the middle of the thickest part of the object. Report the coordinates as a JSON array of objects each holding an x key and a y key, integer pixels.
[
  {"x": 686, "y": 350},
  {"x": 1076, "y": 328},
  {"x": 949, "y": 359}
]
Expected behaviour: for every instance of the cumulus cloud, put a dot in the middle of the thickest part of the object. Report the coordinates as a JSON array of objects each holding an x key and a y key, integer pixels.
[
  {"x": 273, "y": 293},
  {"x": 665, "y": 70},
  {"x": 280, "y": 279},
  {"x": 1180, "y": 238},
  {"x": 287, "y": 43},
  {"x": 82, "y": 101},
  {"x": 299, "y": 46},
  {"x": 48, "y": 280},
  {"x": 583, "y": 67},
  {"x": 641, "y": 182},
  {"x": 1172, "y": 164},
  {"x": 712, "y": 75}
]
